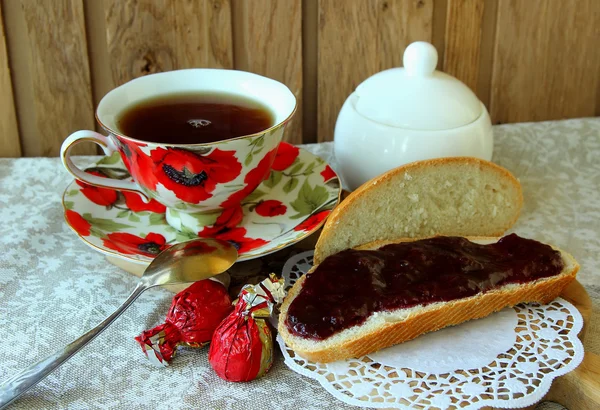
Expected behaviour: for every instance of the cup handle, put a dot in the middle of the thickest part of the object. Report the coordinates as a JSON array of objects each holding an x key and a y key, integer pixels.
[{"x": 108, "y": 147}]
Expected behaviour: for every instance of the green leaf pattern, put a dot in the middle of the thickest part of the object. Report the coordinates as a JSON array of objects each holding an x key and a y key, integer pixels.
[
  {"x": 290, "y": 185},
  {"x": 112, "y": 159},
  {"x": 105, "y": 224},
  {"x": 296, "y": 168},
  {"x": 97, "y": 232},
  {"x": 134, "y": 218},
  {"x": 273, "y": 179},
  {"x": 185, "y": 235},
  {"x": 157, "y": 219},
  {"x": 309, "y": 199},
  {"x": 254, "y": 196},
  {"x": 256, "y": 147},
  {"x": 205, "y": 219}
]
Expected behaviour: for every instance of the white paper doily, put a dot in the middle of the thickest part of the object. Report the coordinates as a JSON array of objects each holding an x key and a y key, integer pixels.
[{"x": 508, "y": 359}]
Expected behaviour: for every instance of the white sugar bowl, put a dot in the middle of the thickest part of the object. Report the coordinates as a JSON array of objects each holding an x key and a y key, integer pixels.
[{"x": 409, "y": 114}]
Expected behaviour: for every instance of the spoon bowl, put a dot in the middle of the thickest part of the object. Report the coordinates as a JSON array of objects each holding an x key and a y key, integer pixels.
[{"x": 190, "y": 261}]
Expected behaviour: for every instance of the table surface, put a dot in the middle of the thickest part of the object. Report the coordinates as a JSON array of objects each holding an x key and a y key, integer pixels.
[{"x": 53, "y": 287}]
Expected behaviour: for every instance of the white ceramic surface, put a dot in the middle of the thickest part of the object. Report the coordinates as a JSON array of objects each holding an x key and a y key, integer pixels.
[{"x": 409, "y": 114}]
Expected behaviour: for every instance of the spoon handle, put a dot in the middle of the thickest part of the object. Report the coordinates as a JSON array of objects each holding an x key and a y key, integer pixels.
[{"x": 30, "y": 376}]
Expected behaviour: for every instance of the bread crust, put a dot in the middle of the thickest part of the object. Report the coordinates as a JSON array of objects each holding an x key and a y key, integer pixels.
[
  {"x": 430, "y": 318},
  {"x": 339, "y": 211}
]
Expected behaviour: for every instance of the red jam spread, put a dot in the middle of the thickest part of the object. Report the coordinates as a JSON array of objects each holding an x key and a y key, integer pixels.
[{"x": 349, "y": 286}]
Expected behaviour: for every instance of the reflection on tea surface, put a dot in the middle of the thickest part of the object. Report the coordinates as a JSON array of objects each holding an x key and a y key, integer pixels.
[{"x": 194, "y": 118}]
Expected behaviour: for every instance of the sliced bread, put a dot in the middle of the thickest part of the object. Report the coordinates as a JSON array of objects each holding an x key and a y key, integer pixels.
[
  {"x": 383, "y": 329},
  {"x": 460, "y": 196}
]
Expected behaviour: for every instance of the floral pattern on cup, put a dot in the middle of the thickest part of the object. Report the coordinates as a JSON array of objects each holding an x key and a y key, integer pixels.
[
  {"x": 202, "y": 178},
  {"x": 193, "y": 177},
  {"x": 293, "y": 201},
  {"x": 188, "y": 177}
]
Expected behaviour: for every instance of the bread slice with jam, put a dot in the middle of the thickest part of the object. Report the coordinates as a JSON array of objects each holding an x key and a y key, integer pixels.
[{"x": 385, "y": 328}]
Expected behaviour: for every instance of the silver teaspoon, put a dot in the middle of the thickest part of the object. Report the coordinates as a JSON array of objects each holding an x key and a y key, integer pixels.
[{"x": 186, "y": 262}]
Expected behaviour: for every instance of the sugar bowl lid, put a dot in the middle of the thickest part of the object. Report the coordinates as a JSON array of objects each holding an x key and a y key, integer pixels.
[{"x": 417, "y": 96}]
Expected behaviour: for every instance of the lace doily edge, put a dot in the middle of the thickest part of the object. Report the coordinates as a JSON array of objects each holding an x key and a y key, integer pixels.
[{"x": 521, "y": 402}]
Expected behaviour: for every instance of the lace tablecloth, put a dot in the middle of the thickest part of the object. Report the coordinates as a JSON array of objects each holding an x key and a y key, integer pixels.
[{"x": 53, "y": 287}]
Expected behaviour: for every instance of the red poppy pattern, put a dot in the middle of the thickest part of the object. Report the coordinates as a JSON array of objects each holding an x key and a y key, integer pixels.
[
  {"x": 286, "y": 155},
  {"x": 135, "y": 203},
  {"x": 237, "y": 237},
  {"x": 270, "y": 207},
  {"x": 328, "y": 173},
  {"x": 100, "y": 196},
  {"x": 191, "y": 176},
  {"x": 313, "y": 221},
  {"x": 76, "y": 221},
  {"x": 229, "y": 218},
  {"x": 130, "y": 244},
  {"x": 143, "y": 171},
  {"x": 108, "y": 197},
  {"x": 252, "y": 180},
  {"x": 226, "y": 228},
  {"x": 194, "y": 177}
]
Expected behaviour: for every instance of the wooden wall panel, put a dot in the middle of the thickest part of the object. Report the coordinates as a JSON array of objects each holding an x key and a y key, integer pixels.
[
  {"x": 9, "y": 132},
  {"x": 463, "y": 40},
  {"x": 547, "y": 60},
  {"x": 527, "y": 60},
  {"x": 49, "y": 48},
  {"x": 101, "y": 74},
  {"x": 348, "y": 55},
  {"x": 149, "y": 36},
  {"x": 486, "y": 51},
  {"x": 399, "y": 23},
  {"x": 268, "y": 41},
  {"x": 310, "y": 107},
  {"x": 438, "y": 30}
]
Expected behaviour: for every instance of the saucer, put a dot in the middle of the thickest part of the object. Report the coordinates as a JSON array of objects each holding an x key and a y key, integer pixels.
[{"x": 291, "y": 204}]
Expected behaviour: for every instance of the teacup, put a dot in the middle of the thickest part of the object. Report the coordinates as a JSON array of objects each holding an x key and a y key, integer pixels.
[{"x": 203, "y": 178}]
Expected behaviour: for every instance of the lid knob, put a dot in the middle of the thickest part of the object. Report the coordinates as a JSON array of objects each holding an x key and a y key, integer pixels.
[{"x": 420, "y": 58}]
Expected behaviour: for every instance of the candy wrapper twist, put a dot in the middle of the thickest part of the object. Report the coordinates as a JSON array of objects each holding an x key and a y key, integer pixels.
[
  {"x": 194, "y": 315},
  {"x": 242, "y": 346}
]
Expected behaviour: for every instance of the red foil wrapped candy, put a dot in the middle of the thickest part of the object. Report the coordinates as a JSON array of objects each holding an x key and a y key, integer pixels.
[
  {"x": 193, "y": 317},
  {"x": 242, "y": 346}
]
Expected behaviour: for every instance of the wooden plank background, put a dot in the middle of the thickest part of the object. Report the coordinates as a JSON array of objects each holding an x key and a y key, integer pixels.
[
  {"x": 527, "y": 60},
  {"x": 10, "y": 145}
]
